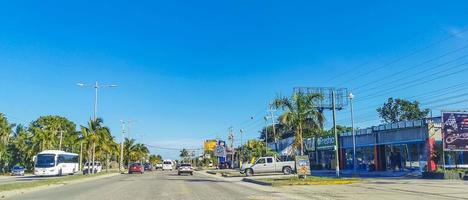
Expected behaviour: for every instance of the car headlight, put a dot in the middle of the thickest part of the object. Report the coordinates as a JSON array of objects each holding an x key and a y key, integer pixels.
[{"x": 51, "y": 170}]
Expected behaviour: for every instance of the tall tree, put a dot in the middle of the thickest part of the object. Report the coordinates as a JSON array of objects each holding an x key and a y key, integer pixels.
[
  {"x": 5, "y": 134},
  {"x": 154, "y": 159},
  {"x": 184, "y": 154},
  {"x": 46, "y": 132},
  {"x": 301, "y": 114},
  {"x": 395, "y": 110},
  {"x": 21, "y": 147}
]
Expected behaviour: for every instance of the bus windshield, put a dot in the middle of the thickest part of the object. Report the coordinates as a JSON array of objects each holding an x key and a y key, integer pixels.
[{"x": 45, "y": 160}]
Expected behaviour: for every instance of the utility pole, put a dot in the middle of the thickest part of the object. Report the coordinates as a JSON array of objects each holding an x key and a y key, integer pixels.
[
  {"x": 231, "y": 140},
  {"x": 241, "y": 148},
  {"x": 96, "y": 87},
  {"x": 122, "y": 146},
  {"x": 351, "y": 96},
  {"x": 336, "y": 135},
  {"x": 81, "y": 155},
  {"x": 60, "y": 143},
  {"x": 266, "y": 135},
  {"x": 273, "y": 126}
]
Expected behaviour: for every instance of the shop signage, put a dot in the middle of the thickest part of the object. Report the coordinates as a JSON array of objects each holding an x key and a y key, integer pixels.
[
  {"x": 220, "y": 150},
  {"x": 326, "y": 142},
  {"x": 303, "y": 165},
  {"x": 210, "y": 145},
  {"x": 455, "y": 131}
]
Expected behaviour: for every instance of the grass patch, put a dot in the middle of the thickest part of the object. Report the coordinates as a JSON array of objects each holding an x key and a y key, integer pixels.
[
  {"x": 43, "y": 182},
  {"x": 311, "y": 180}
]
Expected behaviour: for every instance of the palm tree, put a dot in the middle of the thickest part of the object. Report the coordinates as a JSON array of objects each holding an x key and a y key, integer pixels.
[
  {"x": 129, "y": 146},
  {"x": 22, "y": 150},
  {"x": 301, "y": 114},
  {"x": 5, "y": 134},
  {"x": 184, "y": 154}
]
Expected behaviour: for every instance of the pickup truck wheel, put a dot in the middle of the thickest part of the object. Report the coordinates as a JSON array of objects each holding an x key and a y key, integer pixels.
[
  {"x": 287, "y": 170},
  {"x": 248, "y": 172}
]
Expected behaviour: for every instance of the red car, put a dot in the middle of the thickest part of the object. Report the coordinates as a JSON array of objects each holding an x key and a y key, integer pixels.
[{"x": 136, "y": 168}]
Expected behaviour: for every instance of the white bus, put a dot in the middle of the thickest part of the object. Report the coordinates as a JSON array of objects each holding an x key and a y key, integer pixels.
[{"x": 55, "y": 163}]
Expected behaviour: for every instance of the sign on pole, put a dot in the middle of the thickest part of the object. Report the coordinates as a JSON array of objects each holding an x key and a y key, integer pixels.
[
  {"x": 455, "y": 130},
  {"x": 303, "y": 165},
  {"x": 220, "y": 149}
]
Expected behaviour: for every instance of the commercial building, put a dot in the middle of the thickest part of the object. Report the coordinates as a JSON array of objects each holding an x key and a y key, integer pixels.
[{"x": 406, "y": 145}]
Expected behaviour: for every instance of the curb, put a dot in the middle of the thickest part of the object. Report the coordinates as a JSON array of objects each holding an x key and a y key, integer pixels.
[
  {"x": 10, "y": 193},
  {"x": 249, "y": 180}
]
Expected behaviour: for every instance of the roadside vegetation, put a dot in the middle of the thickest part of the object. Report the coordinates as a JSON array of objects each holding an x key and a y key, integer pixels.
[
  {"x": 46, "y": 182},
  {"x": 20, "y": 143}
]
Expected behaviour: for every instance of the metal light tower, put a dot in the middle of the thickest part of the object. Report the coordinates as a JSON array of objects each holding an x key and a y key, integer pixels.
[
  {"x": 96, "y": 87},
  {"x": 351, "y": 96},
  {"x": 122, "y": 146}
]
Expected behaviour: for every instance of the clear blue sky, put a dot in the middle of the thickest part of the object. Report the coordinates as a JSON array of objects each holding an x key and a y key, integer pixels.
[{"x": 187, "y": 70}]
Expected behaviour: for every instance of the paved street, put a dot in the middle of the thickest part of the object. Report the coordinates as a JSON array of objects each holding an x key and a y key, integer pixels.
[
  {"x": 153, "y": 185},
  {"x": 167, "y": 185}
]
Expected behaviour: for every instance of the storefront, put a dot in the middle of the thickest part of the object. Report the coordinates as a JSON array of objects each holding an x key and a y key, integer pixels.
[
  {"x": 398, "y": 146},
  {"x": 402, "y": 146}
]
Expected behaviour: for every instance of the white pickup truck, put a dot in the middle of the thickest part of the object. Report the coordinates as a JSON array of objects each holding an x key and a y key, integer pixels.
[{"x": 268, "y": 165}]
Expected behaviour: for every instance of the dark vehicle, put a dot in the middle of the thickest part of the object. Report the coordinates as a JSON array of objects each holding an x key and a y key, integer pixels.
[
  {"x": 185, "y": 169},
  {"x": 17, "y": 171},
  {"x": 136, "y": 168},
  {"x": 148, "y": 167}
]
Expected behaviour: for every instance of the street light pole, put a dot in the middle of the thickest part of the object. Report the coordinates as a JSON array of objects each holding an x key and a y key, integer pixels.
[
  {"x": 121, "y": 146},
  {"x": 351, "y": 96},
  {"x": 337, "y": 154},
  {"x": 266, "y": 134},
  {"x": 241, "y": 148},
  {"x": 96, "y": 87}
]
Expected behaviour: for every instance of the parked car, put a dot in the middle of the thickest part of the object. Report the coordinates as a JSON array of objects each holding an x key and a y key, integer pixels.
[
  {"x": 136, "y": 168},
  {"x": 88, "y": 167},
  {"x": 17, "y": 171},
  {"x": 148, "y": 167},
  {"x": 268, "y": 165},
  {"x": 185, "y": 168},
  {"x": 158, "y": 166}
]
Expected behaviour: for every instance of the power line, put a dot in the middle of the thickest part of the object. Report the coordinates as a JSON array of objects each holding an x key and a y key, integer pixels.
[
  {"x": 401, "y": 57},
  {"x": 414, "y": 83},
  {"x": 412, "y": 68}
]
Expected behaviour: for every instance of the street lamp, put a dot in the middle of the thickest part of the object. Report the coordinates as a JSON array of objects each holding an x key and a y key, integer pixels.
[
  {"x": 351, "y": 96},
  {"x": 96, "y": 87}
]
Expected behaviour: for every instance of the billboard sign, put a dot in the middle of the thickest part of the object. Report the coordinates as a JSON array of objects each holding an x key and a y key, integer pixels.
[
  {"x": 220, "y": 149},
  {"x": 455, "y": 131},
  {"x": 210, "y": 145}
]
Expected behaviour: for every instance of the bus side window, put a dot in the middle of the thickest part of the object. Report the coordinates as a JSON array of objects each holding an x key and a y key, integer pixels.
[{"x": 60, "y": 159}]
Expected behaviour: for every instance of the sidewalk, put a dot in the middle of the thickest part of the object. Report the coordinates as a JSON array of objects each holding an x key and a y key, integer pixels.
[{"x": 366, "y": 174}]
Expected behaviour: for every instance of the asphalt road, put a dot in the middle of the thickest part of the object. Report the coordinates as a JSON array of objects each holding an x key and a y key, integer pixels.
[
  {"x": 153, "y": 185},
  {"x": 168, "y": 185}
]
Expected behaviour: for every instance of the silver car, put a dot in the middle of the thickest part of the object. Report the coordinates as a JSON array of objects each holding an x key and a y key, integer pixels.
[
  {"x": 17, "y": 171},
  {"x": 185, "y": 169}
]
